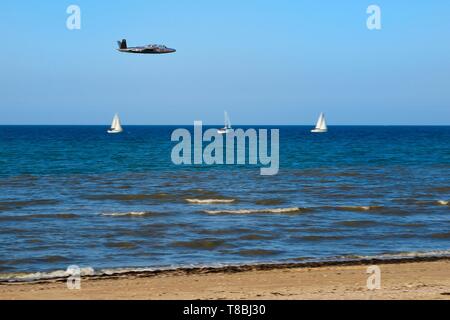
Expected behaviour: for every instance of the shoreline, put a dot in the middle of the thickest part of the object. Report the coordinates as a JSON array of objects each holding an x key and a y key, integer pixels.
[
  {"x": 411, "y": 278},
  {"x": 115, "y": 273}
]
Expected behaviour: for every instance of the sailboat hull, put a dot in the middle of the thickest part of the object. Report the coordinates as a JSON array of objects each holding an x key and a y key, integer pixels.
[
  {"x": 115, "y": 131},
  {"x": 319, "y": 130},
  {"x": 223, "y": 131}
]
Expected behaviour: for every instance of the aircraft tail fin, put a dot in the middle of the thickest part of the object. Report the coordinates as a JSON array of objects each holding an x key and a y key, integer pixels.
[{"x": 122, "y": 44}]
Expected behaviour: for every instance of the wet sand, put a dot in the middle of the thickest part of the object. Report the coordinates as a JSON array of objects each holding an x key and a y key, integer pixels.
[{"x": 412, "y": 279}]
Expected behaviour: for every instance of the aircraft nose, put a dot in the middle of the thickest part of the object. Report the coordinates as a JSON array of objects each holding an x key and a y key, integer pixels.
[{"x": 172, "y": 50}]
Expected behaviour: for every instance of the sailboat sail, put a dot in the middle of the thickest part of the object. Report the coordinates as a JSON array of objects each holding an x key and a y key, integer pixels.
[
  {"x": 227, "y": 121},
  {"x": 321, "y": 125},
  {"x": 227, "y": 126},
  {"x": 116, "y": 127}
]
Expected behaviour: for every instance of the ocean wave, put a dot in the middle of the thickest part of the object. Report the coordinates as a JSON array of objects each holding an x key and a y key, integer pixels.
[
  {"x": 200, "y": 244},
  {"x": 356, "y": 223},
  {"x": 257, "y": 252},
  {"x": 262, "y": 210},
  {"x": 201, "y": 192},
  {"x": 11, "y": 205},
  {"x": 34, "y": 259},
  {"x": 401, "y": 255},
  {"x": 422, "y": 202},
  {"x": 128, "y": 214},
  {"x": 224, "y": 231},
  {"x": 376, "y": 209},
  {"x": 318, "y": 238},
  {"x": 210, "y": 201},
  {"x": 359, "y": 208},
  {"x": 121, "y": 245},
  {"x": 270, "y": 202},
  {"x": 39, "y": 216},
  {"x": 441, "y": 235},
  {"x": 441, "y": 189},
  {"x": 129, "y": 197},
  {"x": 257, "y": 237},
  {"x": 35, "y": 276}
]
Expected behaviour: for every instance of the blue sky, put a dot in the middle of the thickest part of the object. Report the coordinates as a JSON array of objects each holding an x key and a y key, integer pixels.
[{"x": 265, "y": 62}]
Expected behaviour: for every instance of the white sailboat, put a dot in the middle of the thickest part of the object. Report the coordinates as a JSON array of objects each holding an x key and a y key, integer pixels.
[
  {"x": 227, "y": 126},
  {"x": 321, "y": 125},
  {"x": 116, "y": 127}
]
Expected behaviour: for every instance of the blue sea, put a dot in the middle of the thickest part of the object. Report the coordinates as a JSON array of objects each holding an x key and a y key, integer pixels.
[{"x": 75, "y": 195}]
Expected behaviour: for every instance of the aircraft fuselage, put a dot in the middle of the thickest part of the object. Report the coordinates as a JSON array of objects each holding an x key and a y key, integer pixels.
[{"x": 149, "y": 49}]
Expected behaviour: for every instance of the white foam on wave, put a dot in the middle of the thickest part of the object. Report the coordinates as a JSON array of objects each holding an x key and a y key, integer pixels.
[
  {"x": 249, "y": 211},
  {"x": 123, "y": 214},
  {"x": 57, "y": 274},
  {"x": 402, "y": 255},
  {"x": 443, "y": 202},
  {"x": 209, "y": 201}
]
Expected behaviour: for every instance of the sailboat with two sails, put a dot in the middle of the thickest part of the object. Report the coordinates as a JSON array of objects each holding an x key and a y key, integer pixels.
[
  {"x": 321, "y": 125},
  {"x": 116, "y": 127}
]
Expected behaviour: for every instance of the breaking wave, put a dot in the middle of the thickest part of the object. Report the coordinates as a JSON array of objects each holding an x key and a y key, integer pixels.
[
  {"x": 28, "y": 277},
  {"x": 128, "y": 214},
  {"x": 210, "y": 201}
]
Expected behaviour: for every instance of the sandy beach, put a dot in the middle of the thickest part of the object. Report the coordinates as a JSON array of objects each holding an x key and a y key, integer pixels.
[{"x": 404, "y": 280}]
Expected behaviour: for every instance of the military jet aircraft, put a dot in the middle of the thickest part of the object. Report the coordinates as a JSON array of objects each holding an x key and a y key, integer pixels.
[{"x": 149, "y": 49}]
